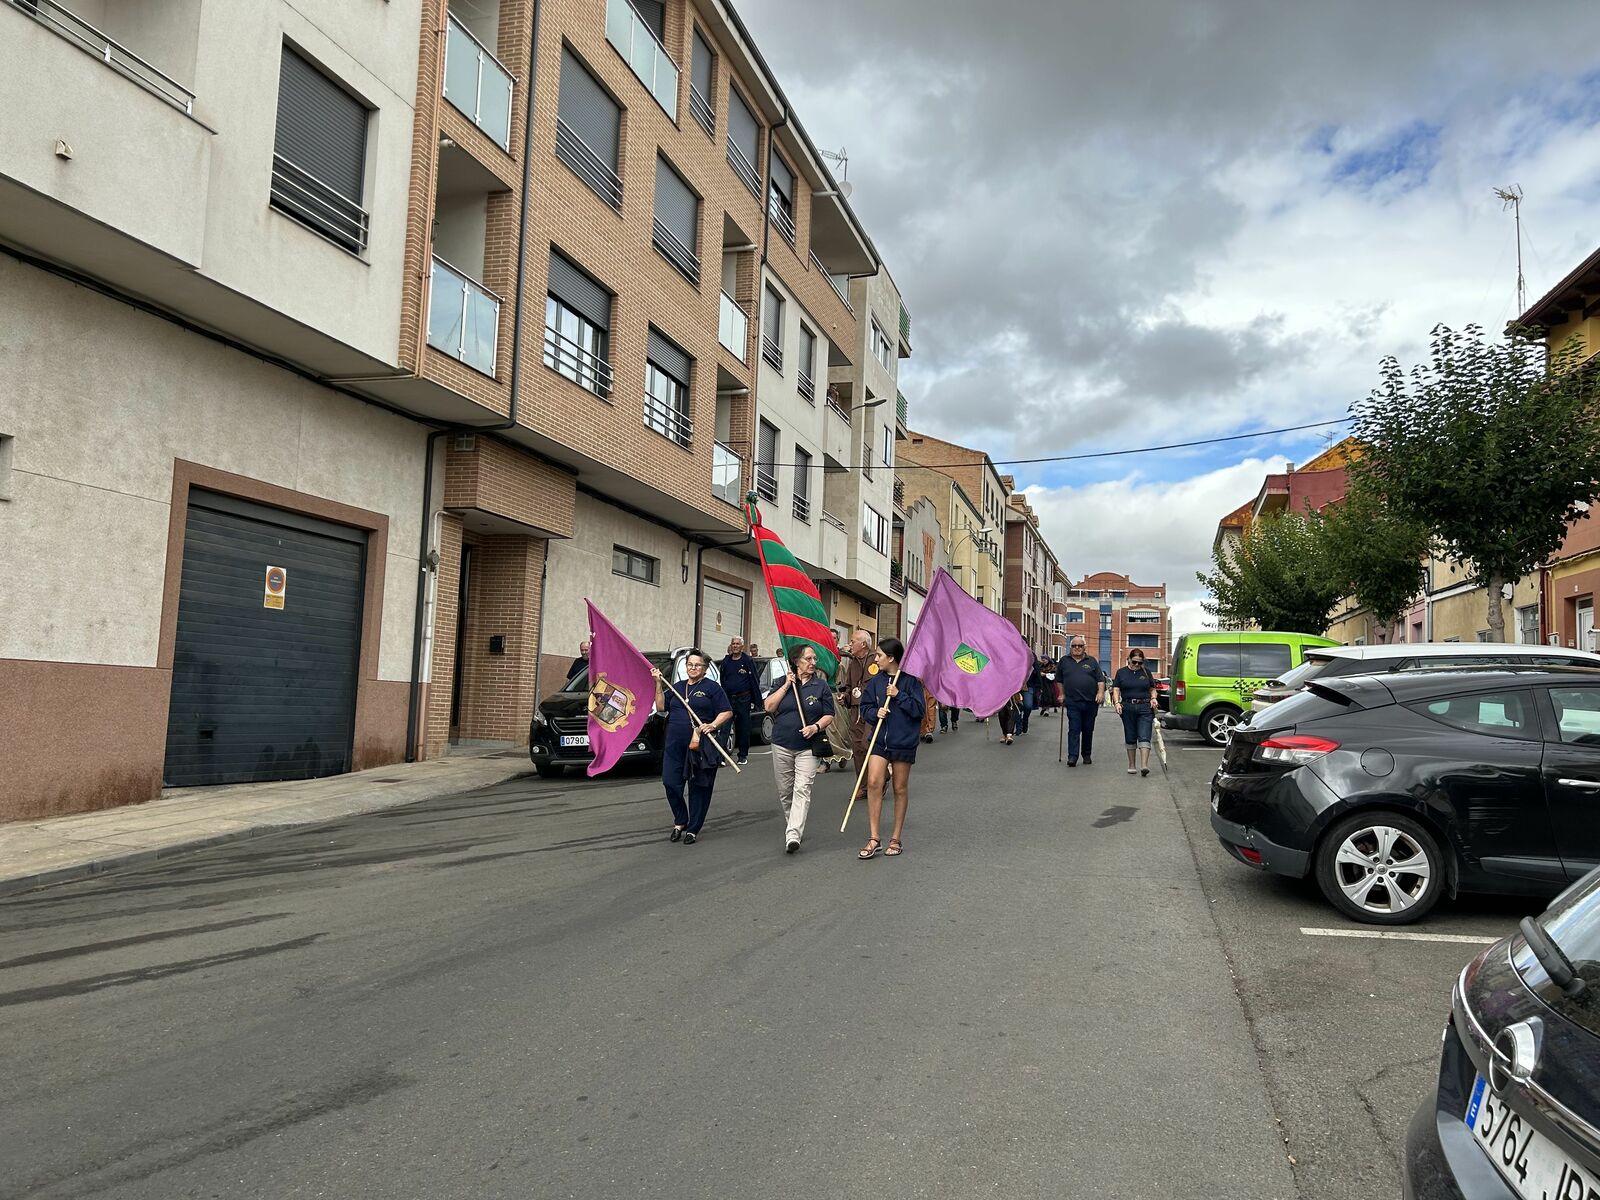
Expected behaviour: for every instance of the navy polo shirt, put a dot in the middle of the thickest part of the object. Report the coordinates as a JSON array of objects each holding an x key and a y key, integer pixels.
[
  {"x": 738, "y": 676},
  {"x": 815, "y": 696},
  {"x": 706, "y": 698},
  {"x": 1080, "y": 678}
]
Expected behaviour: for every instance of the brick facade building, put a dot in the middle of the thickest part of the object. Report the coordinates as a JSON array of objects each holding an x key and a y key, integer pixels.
[{"x": 1115, "y": 615}]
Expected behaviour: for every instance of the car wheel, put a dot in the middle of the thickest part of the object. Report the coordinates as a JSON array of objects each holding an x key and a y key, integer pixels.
[
  {"x": 1216, "y": 725},
  {"x": 549, "y": 770},
  {"x": 764, "y": 730},
  {"x": 1381, "y": 867}
]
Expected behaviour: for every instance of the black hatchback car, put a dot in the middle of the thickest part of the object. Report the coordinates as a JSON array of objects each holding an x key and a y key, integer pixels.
[
  {"x": 1395, "y": 790},
  {"x": 1516, "y": 1113}
]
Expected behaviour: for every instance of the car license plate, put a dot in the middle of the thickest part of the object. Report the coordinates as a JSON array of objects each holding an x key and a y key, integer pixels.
[
  {"x": 574, "y": 739},
  {"x": 1533, "y": 1166}
]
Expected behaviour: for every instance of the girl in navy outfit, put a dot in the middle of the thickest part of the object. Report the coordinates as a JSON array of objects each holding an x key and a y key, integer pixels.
[
  {"x": 689, "y": 758},
  {"x": 894, "y": 748}
]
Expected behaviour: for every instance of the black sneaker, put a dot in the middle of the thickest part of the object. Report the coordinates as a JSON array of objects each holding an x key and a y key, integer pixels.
[
  {"x": 1087, "y": 761},
  {"x": 1072, "y": 762}
]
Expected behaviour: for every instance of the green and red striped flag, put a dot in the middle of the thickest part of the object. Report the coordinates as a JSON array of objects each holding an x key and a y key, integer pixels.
[{"x": 796, "y": 603}]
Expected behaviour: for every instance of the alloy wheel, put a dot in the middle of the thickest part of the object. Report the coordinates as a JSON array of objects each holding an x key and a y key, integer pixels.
[
  {"x": 1382, "y": 870},
  {"x": 1219, "y": 726}
]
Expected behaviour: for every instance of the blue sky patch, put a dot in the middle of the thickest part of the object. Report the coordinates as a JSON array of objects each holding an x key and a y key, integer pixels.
[{"x": 1405, "y": 159}]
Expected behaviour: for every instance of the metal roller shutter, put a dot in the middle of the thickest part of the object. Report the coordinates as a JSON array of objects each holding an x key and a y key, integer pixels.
[
  {"x": 783, "y": 178},
  {"x": 588, "y": 110},
  {"x": 677, "y": 207},
  {"x": 321, "y": 127},
  {"x": 700, "y": 67},
  {"x": 721, "y": 618},
  {"x": 578, "y": 292},
  {"x": 743, "y": 131},
  {"x": 263, "y": 693},
  {"x": 669, "y": 358}
]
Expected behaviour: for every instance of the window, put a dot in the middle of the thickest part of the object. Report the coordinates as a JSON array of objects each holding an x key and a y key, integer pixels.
[
  {"x": 767, "y": 461},
  {"x": 883, "y": 351},
  {"x": 577, "y": 322},
  {"x": 1143, "y": 641},
  {"x": 874, "y": 529},
  {"x": 1264, "y": 660},
  {"x": 702, "y": 69},
  {"x": 780, "y": 197},
  {"x": 1528, "y": 625},
  {"x": 1143, "y": 617},
  {"x": 677, "y": 226},
  {"x": 744, "y": 142},
  {"x": 666, "y": 390},
  {"x": 772, "y": 328},
  {"x": 1217, "y": 660},
  {"x": 1577, "y": 715},
  {"x": 805, "y": 374},
  {"x": 802, "y": 484},
  {"x": 1105, "y": 620},
  {"x": 319, "y": 154},
  {"x": 633, "y": 565},
  {"x": 588, "y": 121},
  {"x": 1075, "y": 615},
  {"x": 635, "y": 30},
  {"x": 1499, "y": 714},
  {"x": 888, "y": 446}
]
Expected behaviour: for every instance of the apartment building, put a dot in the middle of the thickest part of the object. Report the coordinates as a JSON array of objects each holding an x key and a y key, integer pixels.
[
  {"x": 1030, "y": 572},
  {"x": 359, "y": 494},
  {"x": 1115, "y": 615},
  {"x": 966, "y": 549},
  {"x": 982, "y": 487},
  {"x": 1059, "y": 588}
]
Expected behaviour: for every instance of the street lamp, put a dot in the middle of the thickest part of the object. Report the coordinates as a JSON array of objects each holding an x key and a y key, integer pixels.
[{"x": 869, "y": 404}]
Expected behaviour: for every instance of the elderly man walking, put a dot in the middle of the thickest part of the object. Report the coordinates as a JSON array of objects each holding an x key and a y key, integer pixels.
[
  {"x": 1083, "y": 687},
  {"x": 741, "y": 682},
  {"x": 854, "y": 672}
]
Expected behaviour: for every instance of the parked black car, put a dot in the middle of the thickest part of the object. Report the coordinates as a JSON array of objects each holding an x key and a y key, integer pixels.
[
  {"x": 558, "y": 736},
  {"x": 1395, "y": 790},
  {"x": 1516, "y": 1112}
]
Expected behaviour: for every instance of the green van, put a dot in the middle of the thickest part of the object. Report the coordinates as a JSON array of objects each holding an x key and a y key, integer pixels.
[{"x": 1214, "y": 675}]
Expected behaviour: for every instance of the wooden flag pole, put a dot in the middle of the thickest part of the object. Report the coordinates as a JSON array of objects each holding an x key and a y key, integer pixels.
[
  {"x": 694, "y": 721},
  {"x": 871, "y": 742}
]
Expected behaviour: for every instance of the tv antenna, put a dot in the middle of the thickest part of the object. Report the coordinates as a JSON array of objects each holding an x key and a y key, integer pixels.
[
  {"x": 1511, "y": 197},
  {"x": 841, "y": 156}
]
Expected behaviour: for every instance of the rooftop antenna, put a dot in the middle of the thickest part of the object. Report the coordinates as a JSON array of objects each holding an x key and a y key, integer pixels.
[
  {"x": 1511, "y": 197},
  {"x": 842, "y": 157}
]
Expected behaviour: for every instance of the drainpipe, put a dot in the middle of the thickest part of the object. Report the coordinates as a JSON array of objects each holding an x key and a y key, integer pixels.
[{"x": 424, "y": 568}]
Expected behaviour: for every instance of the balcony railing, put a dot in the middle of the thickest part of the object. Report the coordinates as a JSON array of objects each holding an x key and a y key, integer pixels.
[
  {"x": 905, "y": 323},
  {"x": 73, "y": 28},
  {"x": 733, "y": 328},
  {"x": 477, "y": 83},
  {"x": 587, "y": 165},
  {"x": 866, "y": 458},
  {"x": 638, "y": 44},
  {"x": 726, "y": 474},
  {"x": 299, "y": 194},
  {"x": 802, "y": 508},
  {"x": 767, "y": 481},
  {"x": 743, "y": 168},
  {"x": 782, "y": 218},
  {"x": 772, "y": 352},
  {"x": 806, "y": 386},
  {"x": 900, "y": 408},
  {"x": 676, "y": 253},
  {"x": 668, "y": 420},
  {"x": 463, "y": 317},
  {"x": 897, "y": 578},
  {"x": 829, "y": 519},
  {"x": 586, "y": 369},
  {"x": 838, "y": 409},
  {"x": 900, "y": 493},
  {"x": 839, "y": 289},
  {"x": 702, "y": 110}
]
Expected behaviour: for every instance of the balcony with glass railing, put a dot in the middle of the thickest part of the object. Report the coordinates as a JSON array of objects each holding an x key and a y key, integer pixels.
[
  {"x": 463, "y": 317},
  {"x": 476, "y": 83},
  {"x": 733, "y": 328},
  {"x": 67, "y": 25},
  {"x": 726, "y": 475},
  {"x": 633, "y": 38}
]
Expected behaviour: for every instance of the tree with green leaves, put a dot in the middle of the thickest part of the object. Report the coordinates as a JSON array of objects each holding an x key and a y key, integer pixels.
[
  {"x": 1487, "y": 447},
  {"x": 1277, "y": 576},
  {"x": 1374, "y": 551}
]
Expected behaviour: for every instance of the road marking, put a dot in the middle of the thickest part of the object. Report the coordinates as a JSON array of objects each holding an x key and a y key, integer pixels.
[{"x": 1399, "y": 936}]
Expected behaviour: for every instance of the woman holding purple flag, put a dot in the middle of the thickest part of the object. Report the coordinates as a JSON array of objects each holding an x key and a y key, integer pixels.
[
  {"x": 689, "y": 759},
  {"x": 898, "y": 699}
]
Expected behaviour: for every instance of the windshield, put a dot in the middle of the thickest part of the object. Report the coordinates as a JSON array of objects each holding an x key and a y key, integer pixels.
[
  {"x": 1303, "y": 674},
  {"x": 580, "y": 681},
  {"x": 1573, "y": 921}
]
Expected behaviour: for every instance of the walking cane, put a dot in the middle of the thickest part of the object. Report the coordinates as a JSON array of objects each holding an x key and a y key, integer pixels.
[
  {"x": 1062, "y": 748},
  {"x": 694, "y": 718},
  {"x": 871, "y": 742}
]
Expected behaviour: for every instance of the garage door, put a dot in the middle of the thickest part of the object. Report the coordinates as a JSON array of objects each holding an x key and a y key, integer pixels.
[
  {"x": 721, "y": 617},
  {"x": 261, "y": 691}
]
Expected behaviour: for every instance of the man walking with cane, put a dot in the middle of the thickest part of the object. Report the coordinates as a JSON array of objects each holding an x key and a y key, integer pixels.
[
  {"x": 856, "y": 669},
  {"x": 1083, "y": 688}
]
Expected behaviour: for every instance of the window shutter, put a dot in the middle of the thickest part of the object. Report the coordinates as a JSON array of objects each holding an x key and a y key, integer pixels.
[
  {"x": 743, "y": 131},
  {"x": 768, "y": 446},
  {"x": 677, "y": 207},
  {"x": 772, "y": 317},
  {"x": 579, "y": 292},
  {"x": 808, "y": 352},
  {"x": 700, "y": 67},
  {"x": 669, "y": 358},
  {"x": 588, "y": 111},
  {"x": 802, "y": 473},
  {"x": 322, "y": 129},
  {"x": 654, "y": 13},
  {"x": 783, "y": 178}
]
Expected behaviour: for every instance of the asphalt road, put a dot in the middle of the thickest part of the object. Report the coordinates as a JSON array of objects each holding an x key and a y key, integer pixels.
[{"x": 1062, "y": 988}]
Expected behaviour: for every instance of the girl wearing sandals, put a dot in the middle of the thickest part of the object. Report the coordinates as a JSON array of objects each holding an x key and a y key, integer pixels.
[{"x": 899, "y": 699}]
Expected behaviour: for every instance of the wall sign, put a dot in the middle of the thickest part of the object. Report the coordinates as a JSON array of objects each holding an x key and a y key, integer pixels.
[{"x": 277, "y": 580}]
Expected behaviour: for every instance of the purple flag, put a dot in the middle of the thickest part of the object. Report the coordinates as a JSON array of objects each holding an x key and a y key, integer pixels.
[
  {"x": 965, "y": 654},
  {"x": 622, "y": 692}
]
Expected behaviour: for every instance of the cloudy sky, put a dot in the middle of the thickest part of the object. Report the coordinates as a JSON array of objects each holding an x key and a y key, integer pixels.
[{"x": 1123, "y": 225}]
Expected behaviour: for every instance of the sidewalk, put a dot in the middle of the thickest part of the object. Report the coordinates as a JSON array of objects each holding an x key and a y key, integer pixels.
[{"x": 38, "y": 853}]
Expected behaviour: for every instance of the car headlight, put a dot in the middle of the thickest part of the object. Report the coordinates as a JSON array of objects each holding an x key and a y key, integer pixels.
[{"x": 540, "y": 719}]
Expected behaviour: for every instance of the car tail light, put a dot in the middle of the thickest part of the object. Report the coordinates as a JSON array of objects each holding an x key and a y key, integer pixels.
[
  {"x": 1250, "y": 855},
  {"x": 1293, "y": 749},
  {"x": 1177, "y": 689}
]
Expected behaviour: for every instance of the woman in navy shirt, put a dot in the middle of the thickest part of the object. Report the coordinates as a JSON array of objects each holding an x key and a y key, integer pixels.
[
  {"x": 894, "y": 749},
  {"x": 1133, "y": 691},
  {"x": 689, "y": 758}
]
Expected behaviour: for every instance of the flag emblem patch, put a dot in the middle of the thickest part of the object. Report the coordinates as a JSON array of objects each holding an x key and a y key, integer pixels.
[
  {"x": 969, "y": 660},
  {"x": 610, "y": 704}
]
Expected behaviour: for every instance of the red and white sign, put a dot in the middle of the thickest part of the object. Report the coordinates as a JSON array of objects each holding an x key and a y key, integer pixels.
[{"x": 277, "y": 580}]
